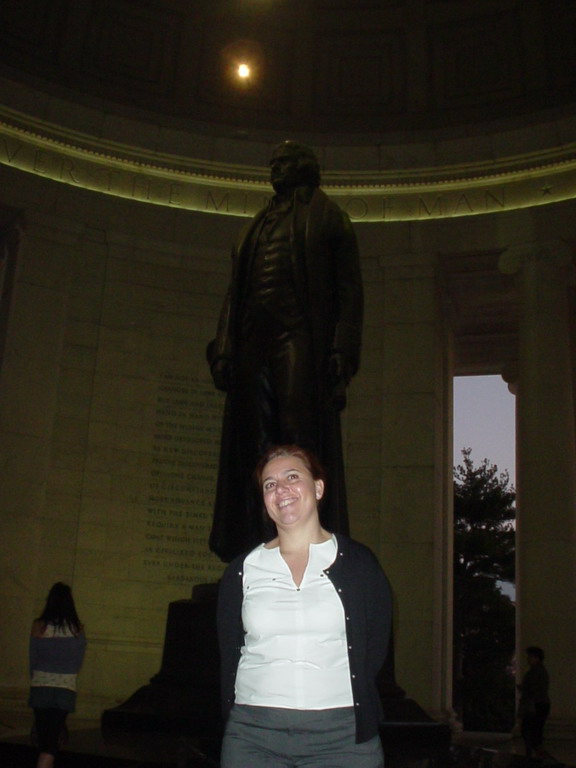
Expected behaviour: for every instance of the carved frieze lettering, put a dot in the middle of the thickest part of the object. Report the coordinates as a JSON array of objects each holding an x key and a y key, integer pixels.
[{"x": 202, "y": 190}]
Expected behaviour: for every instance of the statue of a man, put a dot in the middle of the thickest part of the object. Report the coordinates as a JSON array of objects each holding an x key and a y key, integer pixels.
[{"x": 288, "y": 343}]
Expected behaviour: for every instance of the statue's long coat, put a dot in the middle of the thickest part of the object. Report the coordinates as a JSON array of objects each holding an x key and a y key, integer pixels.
[{"x": 328, "y": 281}]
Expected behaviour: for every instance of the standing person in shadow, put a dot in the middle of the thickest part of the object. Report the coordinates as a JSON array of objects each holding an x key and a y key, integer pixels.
[
  {"x": 57, "y": 646},
  {"x": 534, "y": 704},
  {"x": 303, "y": 625}
]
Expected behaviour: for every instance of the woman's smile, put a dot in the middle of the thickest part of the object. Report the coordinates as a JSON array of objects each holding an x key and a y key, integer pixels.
[{"x": 290, "y": 492}]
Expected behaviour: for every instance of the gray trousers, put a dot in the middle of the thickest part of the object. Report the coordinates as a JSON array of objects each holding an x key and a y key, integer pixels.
[{"x": 269, "y": 737}]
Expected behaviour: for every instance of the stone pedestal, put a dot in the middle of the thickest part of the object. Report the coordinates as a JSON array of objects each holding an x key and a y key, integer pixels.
[{"x": 184, "y": 697}]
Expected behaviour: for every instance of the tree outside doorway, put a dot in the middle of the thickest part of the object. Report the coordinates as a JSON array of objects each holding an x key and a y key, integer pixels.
[{"x": 484, "y": 614}]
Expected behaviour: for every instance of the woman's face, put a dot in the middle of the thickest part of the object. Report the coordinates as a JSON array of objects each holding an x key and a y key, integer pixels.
[{"x": 290, "y": 492}]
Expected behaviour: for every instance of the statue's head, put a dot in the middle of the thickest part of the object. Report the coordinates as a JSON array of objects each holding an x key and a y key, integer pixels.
[{"x": 293, "y": 165}]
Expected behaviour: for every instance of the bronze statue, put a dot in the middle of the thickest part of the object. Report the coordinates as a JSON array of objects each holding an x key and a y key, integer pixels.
[{"x": 288, "y": 343}]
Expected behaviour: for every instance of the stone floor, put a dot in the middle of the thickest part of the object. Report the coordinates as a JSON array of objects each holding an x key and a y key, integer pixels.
[
  {"x": 88, "y": 747},
  {"x": 563, "y": 751},
  {"x": 111, "y": 751}
]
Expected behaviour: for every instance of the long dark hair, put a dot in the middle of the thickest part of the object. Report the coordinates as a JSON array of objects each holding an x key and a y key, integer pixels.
[{"x": 60, "y": 609}]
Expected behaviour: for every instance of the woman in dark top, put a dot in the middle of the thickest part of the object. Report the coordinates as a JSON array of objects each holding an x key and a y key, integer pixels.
[
  {"x": 304, "y": 623},
  {"x": 57, "y": 645}
]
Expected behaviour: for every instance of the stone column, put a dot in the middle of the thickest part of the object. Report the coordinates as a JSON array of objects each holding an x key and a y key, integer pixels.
[
  {"x": 416, "y": 526},
  {"x": 546, "y": 470}
]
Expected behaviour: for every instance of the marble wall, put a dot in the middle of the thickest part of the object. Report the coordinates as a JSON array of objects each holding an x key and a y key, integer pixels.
[
  {"x": 109, "y": 424},
  {"x": 110, "y": 429}
]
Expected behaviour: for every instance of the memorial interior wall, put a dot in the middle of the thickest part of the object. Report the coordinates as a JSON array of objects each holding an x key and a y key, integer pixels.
[{"x": 110, "y": 423}]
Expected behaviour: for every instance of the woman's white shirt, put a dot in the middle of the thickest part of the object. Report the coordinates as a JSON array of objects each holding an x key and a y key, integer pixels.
[{"x": 295, "y": 650}]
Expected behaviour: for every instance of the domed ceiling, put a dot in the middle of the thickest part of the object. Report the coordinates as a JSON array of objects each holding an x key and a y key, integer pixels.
[
  {"x": 419, "y": 110},
  {"x": 362, "y": 66}
]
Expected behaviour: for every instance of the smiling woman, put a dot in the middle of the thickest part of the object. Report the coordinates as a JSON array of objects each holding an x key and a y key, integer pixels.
[
  {"x": 291, "y": 496},
  {"x": 303, "y": 623}
]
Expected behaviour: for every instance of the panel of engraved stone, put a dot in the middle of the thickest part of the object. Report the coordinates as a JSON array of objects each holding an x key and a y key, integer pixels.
[
  {"x": 477, "y": 61},
  {"x": 181, "y": 483}
]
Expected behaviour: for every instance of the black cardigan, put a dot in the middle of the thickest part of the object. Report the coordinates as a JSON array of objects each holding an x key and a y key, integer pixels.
[{"x": 365, "y": 593}]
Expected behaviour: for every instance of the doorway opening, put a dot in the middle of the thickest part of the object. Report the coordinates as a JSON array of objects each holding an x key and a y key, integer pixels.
[{"x": 484, "y": 554}]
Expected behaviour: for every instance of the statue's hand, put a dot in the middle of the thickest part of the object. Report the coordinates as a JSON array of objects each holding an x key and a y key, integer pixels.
[
  {"x": 221, "y": 373},
  {"x": 339, "y": 372},
  {"x": 339, "y": 369}
]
